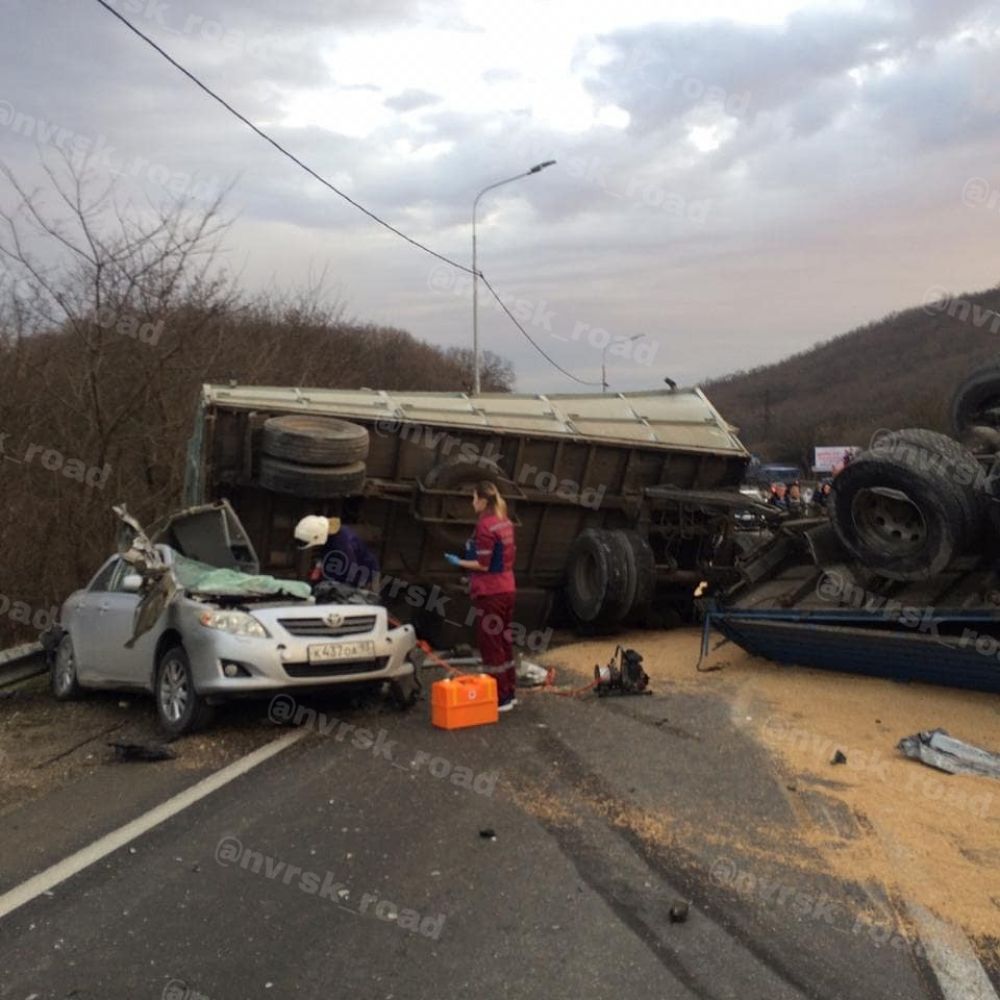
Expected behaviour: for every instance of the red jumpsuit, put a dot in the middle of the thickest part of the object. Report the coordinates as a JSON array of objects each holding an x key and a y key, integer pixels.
[{"x": 493, "y": 592}]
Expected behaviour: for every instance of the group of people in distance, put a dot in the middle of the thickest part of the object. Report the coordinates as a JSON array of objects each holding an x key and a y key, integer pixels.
[{"x": 799, "y": 502}]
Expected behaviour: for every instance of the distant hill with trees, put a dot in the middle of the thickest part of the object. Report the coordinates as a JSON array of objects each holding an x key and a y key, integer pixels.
[{"x": 899, "y": 371}]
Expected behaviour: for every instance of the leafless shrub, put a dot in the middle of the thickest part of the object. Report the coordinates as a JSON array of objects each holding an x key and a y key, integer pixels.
[{"x": 112, "y": 315}]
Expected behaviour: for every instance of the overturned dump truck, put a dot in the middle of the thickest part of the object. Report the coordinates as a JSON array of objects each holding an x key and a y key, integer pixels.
[
  {"x": 902, "y": 580},
  {"x": 622, "y": 503}
]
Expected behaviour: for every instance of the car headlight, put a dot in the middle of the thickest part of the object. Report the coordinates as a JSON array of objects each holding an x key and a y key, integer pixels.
[{"x": 234, "y": 622}]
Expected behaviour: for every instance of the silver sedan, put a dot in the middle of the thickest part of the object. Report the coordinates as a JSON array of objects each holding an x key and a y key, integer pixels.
[{"x": 193, "y": 636}]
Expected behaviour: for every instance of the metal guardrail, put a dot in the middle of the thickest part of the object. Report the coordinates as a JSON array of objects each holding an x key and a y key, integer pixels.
[{"x": 21, "y": 662}]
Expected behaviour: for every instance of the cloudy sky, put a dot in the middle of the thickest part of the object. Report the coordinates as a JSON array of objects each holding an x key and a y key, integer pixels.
[{"x": 735, "y": 179}]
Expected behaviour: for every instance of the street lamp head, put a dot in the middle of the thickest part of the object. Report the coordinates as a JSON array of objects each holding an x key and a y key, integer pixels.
[{"x": 541, "y": 166}]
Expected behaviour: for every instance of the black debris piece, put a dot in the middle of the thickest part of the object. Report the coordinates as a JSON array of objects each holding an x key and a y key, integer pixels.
[
  {"x": 839, "y": 758},
  {"x": 488, "y": 833},
  {"x": 679, "y": 912},
  {"x": 142, "y": 752}
]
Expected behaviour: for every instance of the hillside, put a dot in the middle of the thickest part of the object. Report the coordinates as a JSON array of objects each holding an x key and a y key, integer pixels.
[{"x": 897, "y": 372}]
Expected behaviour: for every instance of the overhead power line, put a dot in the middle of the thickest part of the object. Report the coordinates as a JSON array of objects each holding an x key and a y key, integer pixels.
[
  {"x": 312, "y": 173},
  {"x": 514, "y": 320}
]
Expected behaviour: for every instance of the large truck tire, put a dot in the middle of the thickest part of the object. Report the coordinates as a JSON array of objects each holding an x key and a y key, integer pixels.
[
  {"x": 898, "y": 520},
  {"x": 976, "y": 402},
  {"x": 309, "y": 440},
  {"x": 642, "y": 566},
  {"x": 597, "y": 578},
  {"x": 312, "y": 481},
  {"x": 955, "y": 467}
]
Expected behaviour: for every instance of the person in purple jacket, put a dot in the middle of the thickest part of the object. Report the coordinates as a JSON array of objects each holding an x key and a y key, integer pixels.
[{"x": 343, "y": 556}]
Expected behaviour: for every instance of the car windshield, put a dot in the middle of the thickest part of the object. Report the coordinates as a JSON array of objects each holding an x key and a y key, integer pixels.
[{"x": 201, "y": 578}]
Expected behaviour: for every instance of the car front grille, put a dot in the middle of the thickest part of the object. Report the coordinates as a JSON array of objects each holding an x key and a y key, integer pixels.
[
  {"x": 299, "y": 670},
  {"x": 317, "y": 628}
]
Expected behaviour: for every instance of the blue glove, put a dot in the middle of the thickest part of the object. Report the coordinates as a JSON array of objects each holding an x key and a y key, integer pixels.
[{"x": 451, "y": 558}]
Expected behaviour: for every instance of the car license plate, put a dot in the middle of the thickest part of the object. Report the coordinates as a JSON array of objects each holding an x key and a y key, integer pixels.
[{"x": 327, "y": 651}]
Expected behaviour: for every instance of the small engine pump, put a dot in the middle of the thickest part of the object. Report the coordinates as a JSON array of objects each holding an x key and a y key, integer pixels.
[{"x": 622, "y": 675}]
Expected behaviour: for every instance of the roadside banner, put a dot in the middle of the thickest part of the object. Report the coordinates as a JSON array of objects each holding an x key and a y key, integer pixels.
[{"x": 827, "y": 457}]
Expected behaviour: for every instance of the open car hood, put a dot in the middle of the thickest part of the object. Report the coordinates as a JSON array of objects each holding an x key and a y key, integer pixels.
[
  {"x": 211, "y": 534},
  {"x": 199, "y": 536}
]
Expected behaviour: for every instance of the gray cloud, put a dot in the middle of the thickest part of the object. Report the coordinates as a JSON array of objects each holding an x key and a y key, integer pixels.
[
  {"x": 833, "y": 196},
  {"x": 411, "y": 100}
]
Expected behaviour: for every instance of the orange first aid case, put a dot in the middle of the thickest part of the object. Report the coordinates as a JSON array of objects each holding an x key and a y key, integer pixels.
[{"x": 469, "y": 700}]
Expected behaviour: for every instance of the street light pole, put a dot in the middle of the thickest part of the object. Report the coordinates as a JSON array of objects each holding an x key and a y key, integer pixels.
[
  {"x": 604, "y": 358},
  {"x": 537, "y": 168}
]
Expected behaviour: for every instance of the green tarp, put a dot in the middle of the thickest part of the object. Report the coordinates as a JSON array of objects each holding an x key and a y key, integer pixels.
[{"x": 200, "y": 578}]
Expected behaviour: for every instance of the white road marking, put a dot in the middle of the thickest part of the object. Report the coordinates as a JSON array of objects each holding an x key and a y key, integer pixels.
[
  {"x": 68, "y": 867},
  {"x": 952, "y": 958}
]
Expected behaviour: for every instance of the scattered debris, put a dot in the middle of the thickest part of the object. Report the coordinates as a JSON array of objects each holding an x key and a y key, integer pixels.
[
  {"x": 839, "y": 758},
  {"x": 142, "y": 751},
  {"x": 531, "y": 674},
  {"x": 937, "y": 749},
  {"x": 679, "y": 912},
  {"x": 622, "y": 675}
]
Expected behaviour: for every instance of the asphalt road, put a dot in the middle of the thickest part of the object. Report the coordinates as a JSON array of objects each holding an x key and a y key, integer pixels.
[{"x": 354, "y": 865}]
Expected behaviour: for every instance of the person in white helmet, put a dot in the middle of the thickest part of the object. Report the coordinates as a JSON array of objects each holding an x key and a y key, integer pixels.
[{"x": 343, "y": 556}]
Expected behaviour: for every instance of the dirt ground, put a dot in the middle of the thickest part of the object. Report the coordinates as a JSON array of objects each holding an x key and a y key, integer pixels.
[
  {"x": 928, "y": 837},
  {"x": 45, "y": 743}
]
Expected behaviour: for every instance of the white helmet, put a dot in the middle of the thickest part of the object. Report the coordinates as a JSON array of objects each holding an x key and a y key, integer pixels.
[{"x": 314, "y": 530}]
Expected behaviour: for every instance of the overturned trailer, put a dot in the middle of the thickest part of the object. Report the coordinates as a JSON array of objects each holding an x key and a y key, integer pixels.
[{"x": 622, "y": 502}]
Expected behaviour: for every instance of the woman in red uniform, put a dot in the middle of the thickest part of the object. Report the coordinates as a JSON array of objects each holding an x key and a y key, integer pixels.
[{"x": 489, "y": 558}]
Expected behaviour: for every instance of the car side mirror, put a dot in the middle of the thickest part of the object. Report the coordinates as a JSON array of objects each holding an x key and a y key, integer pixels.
[{"x": 132, "y": 583}]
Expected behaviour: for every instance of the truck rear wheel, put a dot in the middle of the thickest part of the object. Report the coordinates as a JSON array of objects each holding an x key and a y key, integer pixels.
[
  {"x": 896, "y": 519},
  {"x": 642, "y": 564},
  {"x": 976, "y": 401},
  {"x": 952, "y": 465},
  {"x": 598, "y": 579}
]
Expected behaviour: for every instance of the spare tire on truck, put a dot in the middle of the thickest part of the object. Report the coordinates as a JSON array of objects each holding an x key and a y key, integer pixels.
[
  {"x": 903, "y": 522},
  {"x": 459, "y": 475},
  {"x": 464, "y": 473},
  {"x": 310, "y": 440},
  {"x": 311, "y": 481},
  {"x": 976, "y": 402}
]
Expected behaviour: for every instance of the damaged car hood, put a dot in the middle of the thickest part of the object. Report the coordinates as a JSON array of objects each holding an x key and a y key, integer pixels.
[{"x": 213, "y": 529}]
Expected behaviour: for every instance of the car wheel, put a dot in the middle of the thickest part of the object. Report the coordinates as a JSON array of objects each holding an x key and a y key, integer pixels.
[
  {"x": 896, "y": 519},
  {"x": 311, "y": 440},
  {"x": 180, "y": 708},
  {"x": 63, "y": 678},
  {"x": 318, "y": 481}
]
